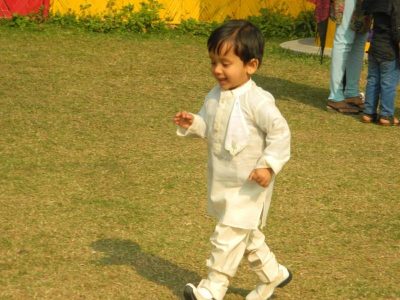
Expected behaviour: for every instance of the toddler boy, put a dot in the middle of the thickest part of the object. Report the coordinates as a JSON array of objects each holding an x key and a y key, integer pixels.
[{"x": 248, "y": 144}]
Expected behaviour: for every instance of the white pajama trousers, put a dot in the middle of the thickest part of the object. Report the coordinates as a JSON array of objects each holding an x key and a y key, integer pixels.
[{"x": 229, "y": 246}]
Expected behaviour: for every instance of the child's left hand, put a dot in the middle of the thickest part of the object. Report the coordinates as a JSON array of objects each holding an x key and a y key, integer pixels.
[{"x": 262, "y": 176}]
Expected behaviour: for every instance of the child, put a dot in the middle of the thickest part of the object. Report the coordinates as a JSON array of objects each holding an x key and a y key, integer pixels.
[
  {"x": 383, "y": 62},
  {"x": 249, "y": 142}
]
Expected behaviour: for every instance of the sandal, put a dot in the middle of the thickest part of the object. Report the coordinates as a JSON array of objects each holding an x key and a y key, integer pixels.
[
  {"x": 388, "y": 121},
  {"x": 369, "y": 118},
  {"x": 357, "y": 102},
  {"x": 342, "y": 107}
]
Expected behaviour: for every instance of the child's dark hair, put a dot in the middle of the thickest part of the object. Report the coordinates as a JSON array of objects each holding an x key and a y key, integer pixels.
[{"x": 245, "y": 38}]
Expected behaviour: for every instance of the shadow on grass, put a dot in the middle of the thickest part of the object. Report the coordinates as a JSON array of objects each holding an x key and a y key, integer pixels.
[
  {"x": 283, "y": 89},
  {"x": 151, "y": 267}
]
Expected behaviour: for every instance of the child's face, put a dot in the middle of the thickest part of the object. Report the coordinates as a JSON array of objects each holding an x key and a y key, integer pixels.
[{"x": 229, "y": 70}]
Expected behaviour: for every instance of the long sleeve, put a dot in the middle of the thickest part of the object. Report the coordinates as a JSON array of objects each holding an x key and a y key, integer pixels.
[
  {"x": 277, "y": 139},
  {"x": 395, "y": 21},
  {"x": 198, "y": 127}
]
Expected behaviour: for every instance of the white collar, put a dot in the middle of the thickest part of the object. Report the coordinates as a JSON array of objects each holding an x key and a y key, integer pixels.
[{"x": 243, "y": 89}]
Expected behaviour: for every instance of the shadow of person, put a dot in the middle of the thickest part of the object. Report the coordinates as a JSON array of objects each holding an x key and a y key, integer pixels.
[
  {"x": 151, "y": 267},
  {"x": 292, "y": 91}
]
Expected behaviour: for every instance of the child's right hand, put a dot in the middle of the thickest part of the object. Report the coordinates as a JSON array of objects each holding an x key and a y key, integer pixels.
[
  {"x": 183, "y": 119},
  {"x": 262, "y": 176}
]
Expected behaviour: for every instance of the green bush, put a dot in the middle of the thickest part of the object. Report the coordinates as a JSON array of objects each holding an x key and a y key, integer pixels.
[
  {"x": 145, "y": 20},
  {"x": 25, "y": 21},
  {"x": 277, "y": 24},
  {"x": 305, "y": 25},
  {"x": 195, "y": 27},
  {"x": 17, "y": 21}
]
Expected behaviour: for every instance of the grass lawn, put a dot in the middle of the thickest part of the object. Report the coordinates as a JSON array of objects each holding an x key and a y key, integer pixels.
[{"x": 101, "y": 200}]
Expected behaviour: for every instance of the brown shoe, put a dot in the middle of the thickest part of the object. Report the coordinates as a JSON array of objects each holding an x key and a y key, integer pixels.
[
  {"x": 357, "y": 102},
  {"x": 342, "y": 107}
]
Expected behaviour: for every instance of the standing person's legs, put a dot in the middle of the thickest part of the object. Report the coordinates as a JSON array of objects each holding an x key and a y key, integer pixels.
[
  {"x": 348, "y": 48},
  {"x": 389, "y": 79},
  {"x": 372, "y": 91},
  {"x": 342, "y": 45},
  {"x": 354, "y": 66},
  {"x": 263, "y": 262}
]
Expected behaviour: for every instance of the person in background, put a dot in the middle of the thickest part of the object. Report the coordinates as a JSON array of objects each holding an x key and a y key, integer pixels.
[
  {"x": 352, "y": 28},
  {"x": 383, "y": 62}
]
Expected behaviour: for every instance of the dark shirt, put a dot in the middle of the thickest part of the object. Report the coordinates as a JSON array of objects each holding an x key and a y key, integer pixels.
[{"x": 383, "y": 46}]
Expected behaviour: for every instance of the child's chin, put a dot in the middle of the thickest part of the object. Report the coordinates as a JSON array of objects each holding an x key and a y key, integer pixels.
[{"x": 225, "y": 86}]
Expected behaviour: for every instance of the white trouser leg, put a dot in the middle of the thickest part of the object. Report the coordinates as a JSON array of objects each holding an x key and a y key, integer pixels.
[
  {"x": 228, "y": 247},
  {"x": 262, "y": 260}
]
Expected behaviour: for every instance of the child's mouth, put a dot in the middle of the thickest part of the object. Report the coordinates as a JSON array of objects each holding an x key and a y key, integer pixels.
[{"x": 222, "y": 81}]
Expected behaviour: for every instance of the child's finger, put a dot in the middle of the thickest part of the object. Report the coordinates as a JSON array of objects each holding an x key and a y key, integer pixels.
[
  {"x": 177, "y": 116},
  {"x": 252, "y": 176},
  {"x": 188, "y": 116}
]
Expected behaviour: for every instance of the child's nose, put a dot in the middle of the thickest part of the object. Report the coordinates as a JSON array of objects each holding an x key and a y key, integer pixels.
[{"x": 217, "y": 69}]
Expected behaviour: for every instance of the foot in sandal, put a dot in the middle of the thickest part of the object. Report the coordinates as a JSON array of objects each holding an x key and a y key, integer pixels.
[
  {"x": 369, "y": 118},
  {"x": 388, "y": 121}
]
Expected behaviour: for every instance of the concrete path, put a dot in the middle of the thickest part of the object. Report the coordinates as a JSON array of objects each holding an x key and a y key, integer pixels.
[
  {"x": 308, "y": 46},
  {"x": 305, "y": 46}
]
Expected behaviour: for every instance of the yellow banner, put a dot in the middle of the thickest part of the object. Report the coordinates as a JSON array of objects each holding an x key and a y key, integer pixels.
[{"x": 176, "y": 10}]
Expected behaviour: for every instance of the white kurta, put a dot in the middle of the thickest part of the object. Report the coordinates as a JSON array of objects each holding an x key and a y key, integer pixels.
[{"x": 232, "y": 198}]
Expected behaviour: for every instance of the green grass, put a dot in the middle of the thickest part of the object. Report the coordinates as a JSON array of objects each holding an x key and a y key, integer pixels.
[{"x": 100, "y": 200}]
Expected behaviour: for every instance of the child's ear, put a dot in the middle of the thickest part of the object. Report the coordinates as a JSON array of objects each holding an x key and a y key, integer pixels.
[{"x": 252, "y": 66}]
